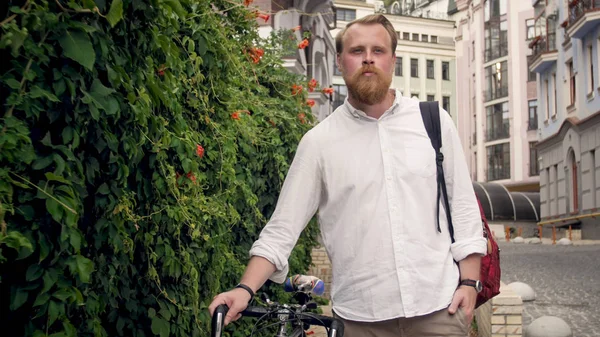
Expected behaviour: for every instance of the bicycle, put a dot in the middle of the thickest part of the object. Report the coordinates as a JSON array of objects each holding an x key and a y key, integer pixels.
[{"x": 285, "y": 315}]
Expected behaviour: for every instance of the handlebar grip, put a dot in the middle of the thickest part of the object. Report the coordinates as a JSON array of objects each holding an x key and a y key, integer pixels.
[
  {"x": 218, "y": 320},
  {"x": 336, "y": 329}
]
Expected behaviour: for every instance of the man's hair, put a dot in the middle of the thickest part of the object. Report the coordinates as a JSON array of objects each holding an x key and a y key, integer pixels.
[{"x": 372, "y": 19}]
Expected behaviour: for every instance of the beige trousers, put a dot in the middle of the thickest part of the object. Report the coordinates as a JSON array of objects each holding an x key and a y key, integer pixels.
[{"x": 437, "y": 324}]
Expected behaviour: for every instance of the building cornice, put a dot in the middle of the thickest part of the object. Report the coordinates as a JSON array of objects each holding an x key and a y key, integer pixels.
[{"x": 352, "y": 3}]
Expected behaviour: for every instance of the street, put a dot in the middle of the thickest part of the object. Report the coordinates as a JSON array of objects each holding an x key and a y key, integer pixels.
[{"x": 565, "y": 279}]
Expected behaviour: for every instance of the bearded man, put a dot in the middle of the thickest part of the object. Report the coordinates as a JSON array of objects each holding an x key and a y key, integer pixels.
[{"x": 369, "y": 171}]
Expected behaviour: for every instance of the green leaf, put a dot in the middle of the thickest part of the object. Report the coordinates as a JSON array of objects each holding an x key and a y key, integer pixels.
[
  {"x": 62, "y": 294},
  {"x": 103, "y": 189},
  {"x": 85, "y": 267},
  {"x": 151, "y": 312},
  {"x": 160, "y": 327},
  {"x": 34, "y": 272},
  {"x": 98, "y": 89},
  {"x": 77, "y": 46},
  {"x": 89, "y": 4},
  {"x": 55, "y": 209},
  {"x": 37, "y": 92},
  {"x": 54, "y": 311},
  {"x": 53, "y": 177},
  {"x": 75, "y": 239},
  {"x": 13, "y": 84},
  {"x": 67, "y": 134},
  {"x": 115, "y": 14},
  {"x": 41, "y": 299},
  {"x": 164, "y": 312},
  {"x": 19, "y": 298},
  {"x": 50, "y": 279},
  {"x": 42, "y": 163},
  {"x": 44, "y": 247}
]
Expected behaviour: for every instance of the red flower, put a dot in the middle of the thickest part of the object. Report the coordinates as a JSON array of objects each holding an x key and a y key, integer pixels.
[
  {"x": 303, "y": 44},
  {"x": 310, "y": 103},
  {"x": 312, "y": 84},
  {"x": 161, "y": 71},
  {"x": 256, "y": 54},
  {"x": 191, "y": 176},
  {"x": 302, "y": 117},
  {"x": 264, "y": 17},
  {"x": 247, "y": 2},
  {"x": 296, "y": 89},
  {"x": 235, "y": 115},
  {"x": 328, "y": 91},
  {"x": 199, "y": 150}
]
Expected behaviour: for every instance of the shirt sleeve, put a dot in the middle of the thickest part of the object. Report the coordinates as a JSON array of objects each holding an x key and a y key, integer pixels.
[
  {"x": 296, "y": 205},
  {"x": 466, "y": 218}
]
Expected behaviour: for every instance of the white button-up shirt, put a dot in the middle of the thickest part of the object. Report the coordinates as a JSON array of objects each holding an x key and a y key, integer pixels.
[{"x": 373, "y": 183}]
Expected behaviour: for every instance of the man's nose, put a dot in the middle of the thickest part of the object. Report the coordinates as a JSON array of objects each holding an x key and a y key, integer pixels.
[{"x": 368, "y": 58}]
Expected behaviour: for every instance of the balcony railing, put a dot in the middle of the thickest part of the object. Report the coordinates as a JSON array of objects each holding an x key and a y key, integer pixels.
[
  {"x": 532, "y": 124},
  {"x": 491, "y": 95},
  {"x": 496, "y": 133},
  {"x": 577, "y": 8},
  {"x": 542, "y": 44}
]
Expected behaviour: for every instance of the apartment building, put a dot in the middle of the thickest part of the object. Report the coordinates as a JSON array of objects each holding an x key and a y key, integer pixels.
[
  {"x": 425, "y": 61},
  {"x": 497, "y": 96},
  {"x": 566, "y": 59},
  {"x": 318, "y": 59}
]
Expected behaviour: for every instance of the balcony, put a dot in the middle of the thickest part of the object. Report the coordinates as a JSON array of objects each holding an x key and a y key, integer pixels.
[
  {"x": 544, "y": 53},
  {"x": 583, "y": 17},
  {"x": 496, "y": 133},
  {"x": 500, "y": 92}
]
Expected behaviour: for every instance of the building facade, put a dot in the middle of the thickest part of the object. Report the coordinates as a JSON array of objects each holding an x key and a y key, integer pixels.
[
  {"x": 318, "y": 59},
  {"x": 425, "y": 57},
  {"x": 566, "y": 59},
  {"x": 498, "y": 114}
]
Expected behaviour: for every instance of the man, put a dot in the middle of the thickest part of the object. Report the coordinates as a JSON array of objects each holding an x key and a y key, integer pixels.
[{"x": 369, "y": 170}]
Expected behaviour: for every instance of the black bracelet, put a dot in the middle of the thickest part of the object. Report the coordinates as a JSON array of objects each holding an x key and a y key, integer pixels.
[{"x": 245, "y": 287}]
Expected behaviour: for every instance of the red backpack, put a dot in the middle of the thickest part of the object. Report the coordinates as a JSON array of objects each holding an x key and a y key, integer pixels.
[{"x": 490, "y": 263}]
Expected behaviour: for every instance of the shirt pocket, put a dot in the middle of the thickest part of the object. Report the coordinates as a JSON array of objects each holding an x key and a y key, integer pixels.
[{"x": 420, "y": 159}]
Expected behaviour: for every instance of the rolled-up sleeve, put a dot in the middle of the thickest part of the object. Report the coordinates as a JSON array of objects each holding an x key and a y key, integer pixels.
[
  {"x": 466, "y": 218},
  {"x": 296, "y": 205}
]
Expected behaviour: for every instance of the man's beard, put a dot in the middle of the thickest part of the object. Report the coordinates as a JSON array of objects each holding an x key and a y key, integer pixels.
[{"x": 369, "y": 90}]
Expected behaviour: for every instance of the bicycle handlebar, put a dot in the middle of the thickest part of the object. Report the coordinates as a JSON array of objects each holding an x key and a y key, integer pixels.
[{"x": 335, "y": 326}]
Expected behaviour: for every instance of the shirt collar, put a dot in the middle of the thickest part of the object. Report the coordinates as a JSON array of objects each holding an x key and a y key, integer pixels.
[{"x": 356, "y": 113}]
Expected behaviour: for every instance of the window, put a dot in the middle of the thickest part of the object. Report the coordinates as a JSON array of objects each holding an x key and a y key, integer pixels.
[
  {"x": 341, "y": 91},
  {"x": 406, "y": 36},
  {"x": 430, "y": 69},
  {"x": 498, "y": 159},
  {"x": 415, "y": 94},
  {"x": 593, "y": 176},
  {"x": 590, "y": 74},
  {"x": 498, "y": 125},
  {"x": 446, "y": 71},
  {"x": 415, "y": 37},
  {"x": 336, "y": 71},
  {"x": 534, "y": 169},
  {"x": 547, "y": 91},
  {"x": 496, "y": 79},
  {"x": 555, "y": 95},
  {"x": 496, "y": 39},
  {"x": 530, "y": 29},
  {"x": 430, "y": 98},
  {"x": 574, "y": 195},
  {"x": 424, "y": 38},
  {"x": 433, "y": 39},
  {"x": 446, "y": 103},
  {"x": 531, "y": 75},
  {"x": 414, "y": 68},
  {"x": 345, "y": 14},
  {"x": 533, "y": 117},
  {"x": 398, "y": 69},
  {"x": 572, "y": 83}
]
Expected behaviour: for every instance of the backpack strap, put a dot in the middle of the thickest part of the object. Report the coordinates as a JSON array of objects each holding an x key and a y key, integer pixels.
[{"x": 430, "y": 112}]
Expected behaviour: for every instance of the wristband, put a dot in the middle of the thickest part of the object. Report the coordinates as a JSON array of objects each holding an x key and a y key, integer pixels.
[{"x": 245, "y": 287}]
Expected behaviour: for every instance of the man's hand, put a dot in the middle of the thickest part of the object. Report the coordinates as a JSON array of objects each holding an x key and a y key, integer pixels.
[
  {"x": 236, "y": 299},
  {"x": 465, "y": 297}
]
